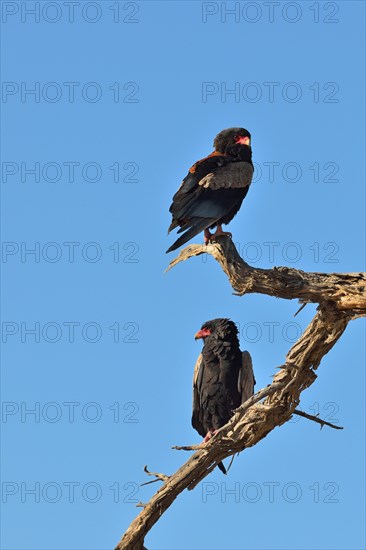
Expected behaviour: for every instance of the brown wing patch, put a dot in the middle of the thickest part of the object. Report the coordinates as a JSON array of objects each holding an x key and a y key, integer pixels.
[
  {"x": 236, "y": 175},
  {"x": 246, "y": 379},
  {"x": 214, "y": 154},
  {"x": 197, "y": 368}
]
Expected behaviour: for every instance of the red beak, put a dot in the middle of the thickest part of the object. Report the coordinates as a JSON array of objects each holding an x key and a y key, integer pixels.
[
  {"x": 202, "y": 333},
  {"x": 243, "y": 140}
]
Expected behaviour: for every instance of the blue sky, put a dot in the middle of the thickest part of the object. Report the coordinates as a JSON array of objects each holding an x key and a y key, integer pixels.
[{"x": 97, "y": 340}]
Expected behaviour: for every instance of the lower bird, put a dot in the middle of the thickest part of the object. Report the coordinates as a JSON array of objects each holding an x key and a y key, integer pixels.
[
  {"x": 212, "y": 192},
  {"x": 223, "y": 378}
]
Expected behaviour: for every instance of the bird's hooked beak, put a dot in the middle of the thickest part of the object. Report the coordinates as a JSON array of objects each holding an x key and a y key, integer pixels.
[
  {"x": 243, "y": 140},
  {"x": 202, "y": 333}
]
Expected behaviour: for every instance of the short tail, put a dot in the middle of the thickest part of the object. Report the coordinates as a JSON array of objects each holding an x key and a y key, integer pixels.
[
  {"x": 196, "y": 228},
  {"x": 222, "y": 468}
]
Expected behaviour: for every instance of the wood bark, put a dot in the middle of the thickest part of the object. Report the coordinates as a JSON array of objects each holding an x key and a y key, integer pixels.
[
  {"x": 341, "y": 297},
  {"x": 346, "y": 291}
]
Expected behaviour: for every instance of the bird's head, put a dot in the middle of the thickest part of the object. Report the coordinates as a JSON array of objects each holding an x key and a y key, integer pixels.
[
  {"x": 230, "y": 137},
  {"x": 221, "y": 329}
]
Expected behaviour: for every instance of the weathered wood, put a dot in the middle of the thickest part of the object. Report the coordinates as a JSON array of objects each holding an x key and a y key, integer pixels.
[
  {"x": 341, "y": 297},
  {"x": 347, "y": 291}
]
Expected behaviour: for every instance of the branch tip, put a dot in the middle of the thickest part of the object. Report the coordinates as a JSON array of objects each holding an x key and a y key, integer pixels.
[
  {"x": 317, "y": 420},
  {"x": 159, "y": 476}
]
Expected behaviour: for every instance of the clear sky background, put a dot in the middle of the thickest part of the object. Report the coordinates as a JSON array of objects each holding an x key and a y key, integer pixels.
[{"x": 126, "y": 97}]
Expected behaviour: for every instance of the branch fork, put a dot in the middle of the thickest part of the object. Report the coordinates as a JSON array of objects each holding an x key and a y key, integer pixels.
[{"x": 341, "y": 298}]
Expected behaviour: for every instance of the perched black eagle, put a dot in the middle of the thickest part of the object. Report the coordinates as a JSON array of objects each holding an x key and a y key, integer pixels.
[
  {"x": 223, "y": 378},
  {"x": 214, "y": 188}
]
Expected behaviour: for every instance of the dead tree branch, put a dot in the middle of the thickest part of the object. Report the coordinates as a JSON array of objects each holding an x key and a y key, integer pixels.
[
  {"x": 341, "y": 297},
  {"x": 317, "y": 420},
  {"x": 346, "y": 291}
]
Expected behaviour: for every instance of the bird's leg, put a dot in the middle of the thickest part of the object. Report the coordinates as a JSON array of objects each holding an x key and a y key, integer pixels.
[
  {"x": 207, "y": 236},
  {"x": 209, "y": 435},
  {"x": 219, "y": 232}
]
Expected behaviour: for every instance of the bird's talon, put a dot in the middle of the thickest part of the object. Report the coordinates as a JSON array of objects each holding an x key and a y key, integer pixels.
[
  {"x": 220, "y": 234},
  {"x": 207, "y": 236},
  {"x": 208, "y": 437}
]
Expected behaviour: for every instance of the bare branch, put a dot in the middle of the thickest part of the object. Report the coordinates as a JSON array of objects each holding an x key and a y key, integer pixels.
[
  {"x": 346, "y": 290},
  {"x": 341, "y": 297},
  {"x": 317, "y": 420},
  {"x": 251, "y": 422},
  {"x": 187, "y": 447},
  {"x": 161, "y": 477}
]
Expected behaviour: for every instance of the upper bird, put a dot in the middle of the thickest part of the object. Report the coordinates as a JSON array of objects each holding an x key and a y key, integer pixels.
[
  {"x": 214, "y": 188},
  {"x": 223, "y": 378}
]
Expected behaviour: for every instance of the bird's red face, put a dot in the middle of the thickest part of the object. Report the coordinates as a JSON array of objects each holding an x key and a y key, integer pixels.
[
  {"x": 242, "y": 140},
  {"x": 203, "y": 333},
  {"x": 231, "y": 137}
]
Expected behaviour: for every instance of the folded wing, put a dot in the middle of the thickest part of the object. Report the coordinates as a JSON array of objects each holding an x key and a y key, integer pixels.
[
  {"x": 196, "y": 408},
  {"x": 211, "y": 193},
  {"x": 246, "y": 380}
]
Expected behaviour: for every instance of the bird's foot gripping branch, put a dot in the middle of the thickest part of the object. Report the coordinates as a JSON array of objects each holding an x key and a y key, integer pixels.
[{"x": 341, "y": 298}]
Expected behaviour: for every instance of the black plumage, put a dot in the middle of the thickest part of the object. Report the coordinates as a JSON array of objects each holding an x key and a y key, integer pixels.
[
  {"x": 223, "y": 377},
  {"x": 214, "y": 188}
]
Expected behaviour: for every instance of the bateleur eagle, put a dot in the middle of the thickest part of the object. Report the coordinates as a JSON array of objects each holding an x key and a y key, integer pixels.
[
  {"x": 223, "y": 378},
  {"x": 214, "y": 188}
]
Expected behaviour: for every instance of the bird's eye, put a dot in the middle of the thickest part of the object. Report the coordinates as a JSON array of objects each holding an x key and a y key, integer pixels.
[{"x": 236, "y": 136}]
